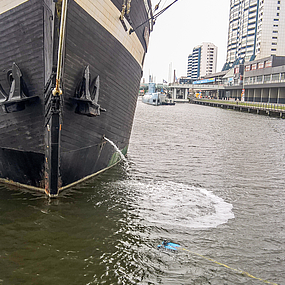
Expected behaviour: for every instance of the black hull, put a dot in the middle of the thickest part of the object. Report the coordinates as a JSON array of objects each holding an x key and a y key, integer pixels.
[{"x": 24, "y": 130}]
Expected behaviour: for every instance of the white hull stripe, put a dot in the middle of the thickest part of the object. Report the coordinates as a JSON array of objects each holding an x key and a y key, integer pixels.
[
  {"x": 107, "y": 14},
  {"x": 6, "y": 5}
]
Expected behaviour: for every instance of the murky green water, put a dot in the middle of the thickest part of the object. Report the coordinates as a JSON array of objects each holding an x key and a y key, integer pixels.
[{"x": 209, "y": 179}]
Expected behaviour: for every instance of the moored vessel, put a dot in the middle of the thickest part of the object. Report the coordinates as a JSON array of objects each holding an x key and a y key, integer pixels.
[
  {"x": 70, "y": 74},
  {"x": 152, "y": 97}
]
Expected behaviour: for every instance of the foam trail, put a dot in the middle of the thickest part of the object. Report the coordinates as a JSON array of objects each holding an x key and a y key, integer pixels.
[
  {"x": 117, "y": 149},
  {"x": 170, "y": 203}
]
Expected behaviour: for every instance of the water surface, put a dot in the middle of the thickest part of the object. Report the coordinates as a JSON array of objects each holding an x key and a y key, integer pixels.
[{"x": 209, "y": 179}]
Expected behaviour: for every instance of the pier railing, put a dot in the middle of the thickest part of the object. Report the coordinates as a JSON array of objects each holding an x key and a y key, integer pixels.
[
  {"x": 261, "y": 105},
  {"x": 271, "y": 109}
]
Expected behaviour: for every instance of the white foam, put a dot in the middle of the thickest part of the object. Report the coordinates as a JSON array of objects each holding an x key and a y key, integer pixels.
[
  {"x": 178, "y": 204},
  {"x": 117, "y": 149}
]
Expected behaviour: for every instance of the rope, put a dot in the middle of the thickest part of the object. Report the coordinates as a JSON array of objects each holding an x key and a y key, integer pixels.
[
  {"x": 164, "y": 3},
  {"x": 154, "y": 17},
  {"x": 233, "y": 269},
  {"x": 157, "y": 5}
]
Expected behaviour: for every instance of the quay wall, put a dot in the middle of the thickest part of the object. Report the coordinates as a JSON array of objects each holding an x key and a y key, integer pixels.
[
  {"x": 257, "y": 94},
  {"x": 268, "y": 109}
]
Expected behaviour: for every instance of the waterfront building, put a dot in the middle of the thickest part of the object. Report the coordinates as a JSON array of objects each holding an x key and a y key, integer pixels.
[
  {"x": 261, "y": 80},
  {"x": 202, "y": 61},
  {"x": 256, "y": 30},
  {"x": 264, "y": 81}
]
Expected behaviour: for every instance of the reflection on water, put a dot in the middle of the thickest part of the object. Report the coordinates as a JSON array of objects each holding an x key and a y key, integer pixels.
[{"x": 209, "y": 179}]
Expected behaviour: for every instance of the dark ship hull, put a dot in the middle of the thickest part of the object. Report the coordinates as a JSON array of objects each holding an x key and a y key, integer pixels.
[{"x": 49, "y": 140}]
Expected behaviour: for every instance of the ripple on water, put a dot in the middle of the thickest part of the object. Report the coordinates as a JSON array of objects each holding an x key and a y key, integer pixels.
[{"x": 164, "y": 203}]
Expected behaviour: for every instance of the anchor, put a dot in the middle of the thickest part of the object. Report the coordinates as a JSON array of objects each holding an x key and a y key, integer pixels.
[
  {"x": 3, "y": 95},
  {"x": 18, "y": 94},
  {"x": 87, "y": 102}
]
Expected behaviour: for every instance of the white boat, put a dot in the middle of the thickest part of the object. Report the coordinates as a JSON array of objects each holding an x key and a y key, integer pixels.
[{"x": 156, "y": 98}]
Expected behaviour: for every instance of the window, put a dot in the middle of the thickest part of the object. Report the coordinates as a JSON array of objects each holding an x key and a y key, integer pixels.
[
  {"x": 247, "y": 68},
  {"x": 252, "y": 79},
  {"x": 259, "y": 78},
  {"x": 268, "y": 63},
  {"x": 275, "y": 76},
  {"x": 277, "y": 14},
  {"x": 267, "y": 78},
  {"x": 254, "y": 66},
  {"x": 260, "y": 65}
]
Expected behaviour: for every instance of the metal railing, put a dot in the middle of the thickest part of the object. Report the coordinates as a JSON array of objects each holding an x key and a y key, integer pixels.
[{"x": 257, "y": 105}]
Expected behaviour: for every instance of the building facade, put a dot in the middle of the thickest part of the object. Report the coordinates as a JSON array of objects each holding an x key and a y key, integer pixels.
[
  {"x": 256, "y": 30},
  {"x": 261, "y": 80},
  {"x": 194, "y": 61},
  {"x": 202, "y": 61}
]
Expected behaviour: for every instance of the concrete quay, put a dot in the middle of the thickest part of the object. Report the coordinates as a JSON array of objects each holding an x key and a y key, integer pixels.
[{"x": 269, "y": 109}]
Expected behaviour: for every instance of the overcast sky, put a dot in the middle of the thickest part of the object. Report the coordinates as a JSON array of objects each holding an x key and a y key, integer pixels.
[{"x": 178, "y": 30}]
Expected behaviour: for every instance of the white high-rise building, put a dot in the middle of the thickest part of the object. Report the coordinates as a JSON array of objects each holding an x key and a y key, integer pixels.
[
  {"x": 271, "y": 28},
  {"x": 256, "y": 30},
  {"x": 202, "y": 61}
]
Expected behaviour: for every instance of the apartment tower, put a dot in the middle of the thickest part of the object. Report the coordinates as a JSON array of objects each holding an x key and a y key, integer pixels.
[
  {"x": 256, "y": 30},
  {"x": 202, "y": 61}
]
